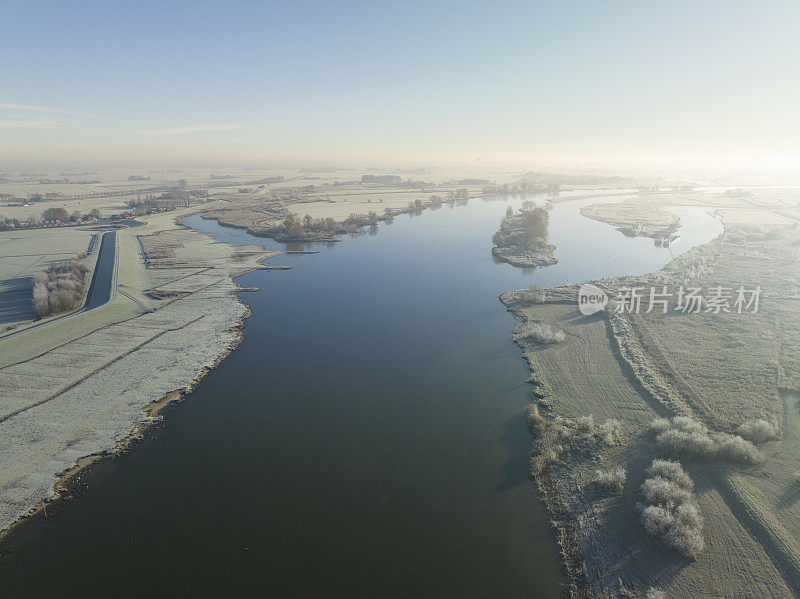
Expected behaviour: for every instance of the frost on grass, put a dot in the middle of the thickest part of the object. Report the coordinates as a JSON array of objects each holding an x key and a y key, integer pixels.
[
  {"x": 586, "y": 433},
  {"x": 685, "y": 438},
  {"x": 613, "y": 480},
  {"x": 669, "y": 512},
  {"x": 757, "y": 431},
  {"x": 610, "y": 432},
  {"x": 558, "y": 434},
  {"x": 545, "y": 453},
  {"x": 534, "y": 295},
  {"x": 540, "y": 332}
]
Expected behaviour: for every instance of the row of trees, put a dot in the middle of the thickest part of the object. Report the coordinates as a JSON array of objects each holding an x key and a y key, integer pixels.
[
  {"x": 521, "y": 188},
  {"x": 382, "y": 179},
  {"x": 395, "y": 181},
  {"x": 52, "y": 217},
  {"x": 307, "y": 228},
  {"x": 60, "y": 216}
]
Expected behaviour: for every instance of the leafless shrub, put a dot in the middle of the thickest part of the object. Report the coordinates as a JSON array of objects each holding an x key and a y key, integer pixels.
[
  {"x": 687, "y": 534},
  {"x": 613, "y": 480},
  {"x": 542, "y": 460},
  {"x": 58, "y": 288},
  {"x": 542, "y": 332},
  {"x": 532, "y": 417},
  {"x": 757, "y": 431},
  {"x": 687, "y": 425},
  {"x": 585, "y": 424},
  {"x": 660, "y": 425},
  {"x": 610, "y": 431},
  {"x": 547, "y": 448},
  {"x": 555, "y": 434},
  {"x": 733, "y": 448},
  {"x": 584, "y": 430},
  {"x": 684, "y": 437},
  {"x": 671, "y": 471},
  {"x": 670, "y": 513},
  {"x": 659, "y": 490},
  {"x": 679, "y": 443},
  {"x": 654, "y": 593}
]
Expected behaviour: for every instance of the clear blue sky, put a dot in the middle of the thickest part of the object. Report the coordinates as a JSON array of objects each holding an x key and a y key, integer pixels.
[{"x": 397, "y": 81}]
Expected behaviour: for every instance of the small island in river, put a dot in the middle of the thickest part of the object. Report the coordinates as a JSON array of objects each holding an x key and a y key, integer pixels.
[{"x": 522, "y": 238}]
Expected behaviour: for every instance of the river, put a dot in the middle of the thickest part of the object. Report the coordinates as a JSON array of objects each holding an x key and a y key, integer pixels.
[{"x": 365, "y": 440}]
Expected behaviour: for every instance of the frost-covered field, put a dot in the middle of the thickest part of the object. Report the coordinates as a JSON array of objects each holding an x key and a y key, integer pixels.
[
  {"x": 719, "y": 393},
  {"x": 81, "y": 387},
  {"x": 26, "y": 253}
]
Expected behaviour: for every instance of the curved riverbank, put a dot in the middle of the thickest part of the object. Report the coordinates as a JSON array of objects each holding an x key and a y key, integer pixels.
[
  {"x": 113, "y": 362},
  {"x": 313, "y": 439},
  {"x": 632, "y": 368},
  {"x": 379, "y": 445},
  {"x": 66, "y": 481}
]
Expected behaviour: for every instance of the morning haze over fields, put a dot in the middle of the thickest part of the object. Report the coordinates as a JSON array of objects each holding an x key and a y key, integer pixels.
[{"x": 428, "y": 300}]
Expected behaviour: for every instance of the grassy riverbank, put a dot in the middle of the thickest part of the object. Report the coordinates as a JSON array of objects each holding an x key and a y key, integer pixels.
[
  {"x": 722, "y": 371},
  {"x": 80, "y": 387}
]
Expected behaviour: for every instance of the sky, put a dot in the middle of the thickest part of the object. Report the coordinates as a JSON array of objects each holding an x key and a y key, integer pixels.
[{"x": 389, "y": 82}]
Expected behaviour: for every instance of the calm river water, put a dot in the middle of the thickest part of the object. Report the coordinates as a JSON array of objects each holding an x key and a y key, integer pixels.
[{"x": 366, "y": 439}]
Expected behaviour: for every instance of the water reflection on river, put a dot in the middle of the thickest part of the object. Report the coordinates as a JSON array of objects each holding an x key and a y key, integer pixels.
[{"x": 366, "y": 439}]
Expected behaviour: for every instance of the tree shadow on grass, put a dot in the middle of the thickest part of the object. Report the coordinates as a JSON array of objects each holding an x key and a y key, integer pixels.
[
  {"x": 790, "y": 495},
  {"x": 16, "y": 300}
]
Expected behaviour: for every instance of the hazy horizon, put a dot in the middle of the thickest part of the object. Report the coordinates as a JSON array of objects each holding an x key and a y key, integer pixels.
[{"x": 516, "y": 84}]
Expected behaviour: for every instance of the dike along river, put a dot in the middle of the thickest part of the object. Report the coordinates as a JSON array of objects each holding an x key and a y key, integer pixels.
[{"x": 365, "y": 440}]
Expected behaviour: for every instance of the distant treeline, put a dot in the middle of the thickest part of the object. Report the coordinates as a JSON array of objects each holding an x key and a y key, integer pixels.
[
  {"x": 564, "y": 179},
  {"x": 382, "y": 179},
  {"x": 395, "y": 180},
  {"x": 474, "y": 182},
  {"x": 319, "y": 169},
  {"x": 522, "y": 187},
  {"x": 169, "y": 200},
  {"x": 229, "y": 181},
  {"x": 287, "y": 194},
  {"x": 41, "y": 197},
  {"x": 67, "y": 181},
  {"x": 61, "y": 216},
  {"x": 52, "y": 217}
]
